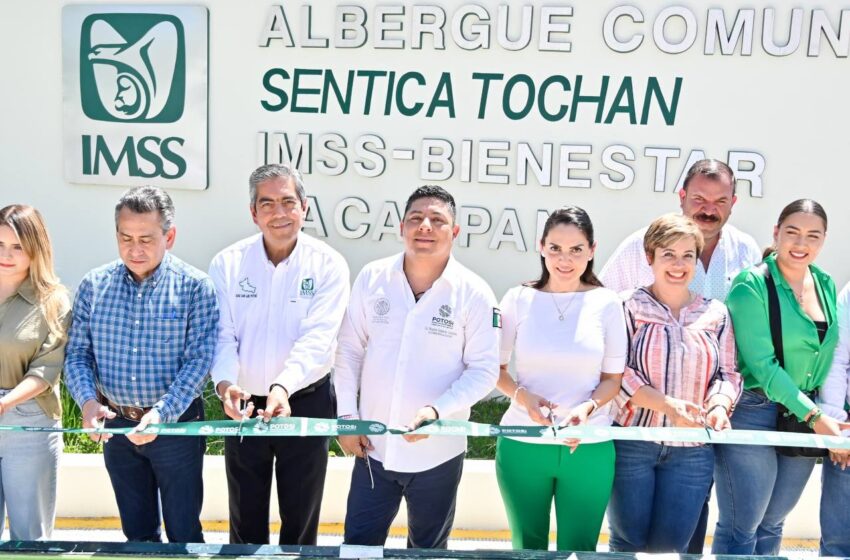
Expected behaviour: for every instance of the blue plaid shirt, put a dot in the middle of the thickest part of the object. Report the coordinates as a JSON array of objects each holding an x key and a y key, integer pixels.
[{"x": 147, "y": 344}]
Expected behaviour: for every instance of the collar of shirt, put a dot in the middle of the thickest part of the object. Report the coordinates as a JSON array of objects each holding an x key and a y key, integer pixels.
[
  {"x": 450, "y": 274},
  {"x": 645, "y": 296},
  {"x": 27, "y": 291},
  {"x": 151, "y": 280},
  {"x": 260, "y": 252},
  {"x": 818, "y": 276}
]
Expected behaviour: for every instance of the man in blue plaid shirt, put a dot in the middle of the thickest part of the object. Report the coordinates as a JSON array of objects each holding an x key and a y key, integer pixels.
[{"x": 140, "y": 347}]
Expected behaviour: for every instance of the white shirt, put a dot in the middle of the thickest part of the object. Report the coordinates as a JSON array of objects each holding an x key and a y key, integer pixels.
[
  {"x": 279, "y": 323},
  {"x": 401, "y": 355},
  {"x": 836, "y": 389},
  {"x": 627, "y": 268},
  {"x": 562, "y": 360}
]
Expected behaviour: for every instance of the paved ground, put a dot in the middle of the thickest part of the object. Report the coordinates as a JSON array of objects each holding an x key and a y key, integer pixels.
[{"x": 799, "y": 549}]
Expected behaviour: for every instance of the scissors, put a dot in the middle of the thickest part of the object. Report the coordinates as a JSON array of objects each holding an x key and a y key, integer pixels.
[{"x": 244, "y": 409}]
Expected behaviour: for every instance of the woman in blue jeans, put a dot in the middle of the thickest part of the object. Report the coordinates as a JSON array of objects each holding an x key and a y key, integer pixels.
[
  {"x": 33, "y": 319},
  {"x": 680, "y": 372},
  {"x": 834, "y": 396},
  {"x": 756, "y": 486}
]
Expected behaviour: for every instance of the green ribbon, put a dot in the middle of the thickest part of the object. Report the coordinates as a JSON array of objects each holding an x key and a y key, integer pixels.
[{"x": 302, "y": 427}]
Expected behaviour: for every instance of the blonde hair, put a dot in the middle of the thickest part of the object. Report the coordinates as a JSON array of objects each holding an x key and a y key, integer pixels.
[
  {"x": 28, "y": 225},
  {"x": 668, "y": 229}
]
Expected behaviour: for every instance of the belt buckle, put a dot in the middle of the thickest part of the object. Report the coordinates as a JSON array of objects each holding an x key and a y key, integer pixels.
[{"x": 133, "y": 414}]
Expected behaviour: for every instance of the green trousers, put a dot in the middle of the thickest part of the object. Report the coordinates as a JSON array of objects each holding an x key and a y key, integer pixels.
[{"x": 531, "y": 475}]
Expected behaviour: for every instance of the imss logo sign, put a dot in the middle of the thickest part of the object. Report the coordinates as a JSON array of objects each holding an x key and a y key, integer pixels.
[
  {"x": 135, "y": 80},
  {"x": 132, "y": 68}
]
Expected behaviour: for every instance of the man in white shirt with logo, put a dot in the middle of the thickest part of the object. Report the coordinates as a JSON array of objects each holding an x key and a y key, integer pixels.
[
  {"x": 420, "y": 341},
  {"x": 282, "y": 296},
  {"x": 707, "y": 197}
]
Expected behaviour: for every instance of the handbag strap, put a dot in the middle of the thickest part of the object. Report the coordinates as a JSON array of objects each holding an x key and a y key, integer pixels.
[{"x": 774, "y": 314}]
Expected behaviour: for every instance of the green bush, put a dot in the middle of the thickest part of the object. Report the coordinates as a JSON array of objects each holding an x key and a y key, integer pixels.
[{"x": 488, "y": 412}]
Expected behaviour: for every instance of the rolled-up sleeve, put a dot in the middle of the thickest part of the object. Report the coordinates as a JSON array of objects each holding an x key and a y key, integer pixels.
[{"x": 48, "y": 362}]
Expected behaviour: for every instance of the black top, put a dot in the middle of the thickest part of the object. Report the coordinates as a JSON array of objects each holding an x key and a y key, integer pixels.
[{"x": 822, "y": 326}]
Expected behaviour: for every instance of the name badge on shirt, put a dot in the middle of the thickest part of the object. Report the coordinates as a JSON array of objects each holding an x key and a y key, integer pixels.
[{"x": 442, "y": 324}]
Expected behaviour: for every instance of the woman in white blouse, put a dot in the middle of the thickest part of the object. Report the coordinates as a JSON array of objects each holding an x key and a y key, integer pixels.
[{"x": 569, "y": 337}]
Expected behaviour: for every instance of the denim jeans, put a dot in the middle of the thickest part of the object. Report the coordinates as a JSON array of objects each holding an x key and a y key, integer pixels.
[
  {"x": 659, "y": 492},
  {"x": 166, "y": 471},
  {"x": 835, "y": 511},
  {"x": 430, "y": 495},
  {"x": 28, "y": 466},
  {"x": 756, "y": 487}
]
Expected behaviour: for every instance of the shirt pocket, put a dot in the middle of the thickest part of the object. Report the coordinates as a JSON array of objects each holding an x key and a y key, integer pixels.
[
  {"x": 294, "y": 314},
  {"x": 170, "y": 338}
]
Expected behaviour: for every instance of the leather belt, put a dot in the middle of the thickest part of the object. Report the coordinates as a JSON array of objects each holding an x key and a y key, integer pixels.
[
  {"x": 260, "y": 400},
  {"x": 133, "y": 413}
]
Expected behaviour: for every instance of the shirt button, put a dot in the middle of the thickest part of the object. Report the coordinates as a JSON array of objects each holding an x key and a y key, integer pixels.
[
  {"x": 138, "y": 403},
  {"x": 133, "y": 378},
  {"x": 137, "y": 322},
  {"x": 809, "y": 374},
  {"x": 139, "y": 296},
  {"x": 135, "y": 349}
]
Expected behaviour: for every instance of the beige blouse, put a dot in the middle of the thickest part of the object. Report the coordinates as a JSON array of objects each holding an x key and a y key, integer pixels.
[{"x": 28, "y": 348}]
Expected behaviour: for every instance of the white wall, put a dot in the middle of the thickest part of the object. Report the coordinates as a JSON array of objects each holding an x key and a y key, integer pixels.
[{"x": 789, "y": 109}]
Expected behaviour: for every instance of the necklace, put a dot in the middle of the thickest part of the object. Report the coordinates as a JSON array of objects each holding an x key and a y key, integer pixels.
[{"x": 562, "y": 312}]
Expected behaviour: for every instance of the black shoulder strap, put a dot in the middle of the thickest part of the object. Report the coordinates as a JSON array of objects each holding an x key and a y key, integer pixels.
[{"x": 774, "y": 314}]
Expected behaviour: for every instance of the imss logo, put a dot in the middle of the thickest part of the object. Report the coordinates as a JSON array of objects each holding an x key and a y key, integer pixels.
[
  {"x": 135, "y": 79},
  {"x": 132, "y": 68}
]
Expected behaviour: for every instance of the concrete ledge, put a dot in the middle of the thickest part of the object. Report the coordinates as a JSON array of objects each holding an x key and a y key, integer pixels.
[{"x": 84, "y": 490}]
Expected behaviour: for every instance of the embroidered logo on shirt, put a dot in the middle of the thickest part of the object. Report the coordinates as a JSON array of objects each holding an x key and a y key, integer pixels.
[
  {"x": 308, "y": 288},
  {"x": 248, "y": 290},
  {"x": 442, "y": 325},
  {"x": 497, "y": 318},
  {"x": 380, "y": 308}
]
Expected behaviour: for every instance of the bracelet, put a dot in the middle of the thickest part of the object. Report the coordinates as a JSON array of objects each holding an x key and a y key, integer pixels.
[
  {"x": 814, "y": 418},
  {"x": 707, "y": 412},
  {"x": 595, "y": 405},
  {"x": 273, "y": 385},
  {"x": 517, "y": 390},
  {"x": 434, "y": 408}
]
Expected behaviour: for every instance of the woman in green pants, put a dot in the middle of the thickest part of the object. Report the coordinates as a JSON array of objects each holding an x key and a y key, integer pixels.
[{"x": 569, "y": 336}]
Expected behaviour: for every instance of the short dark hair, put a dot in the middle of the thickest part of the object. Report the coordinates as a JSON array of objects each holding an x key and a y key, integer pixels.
[
  {"x": 432, "y": 191},
  {"x": 711, "y": 168},
  {"x": 141, "y": 200}
]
